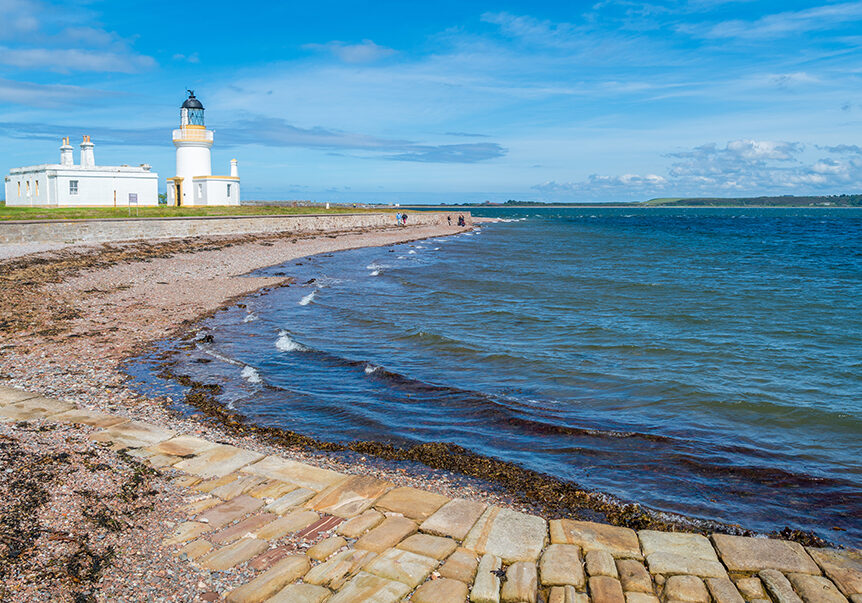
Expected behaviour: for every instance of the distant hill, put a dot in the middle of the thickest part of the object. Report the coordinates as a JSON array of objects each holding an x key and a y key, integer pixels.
[{"x": 783, "y": 201}]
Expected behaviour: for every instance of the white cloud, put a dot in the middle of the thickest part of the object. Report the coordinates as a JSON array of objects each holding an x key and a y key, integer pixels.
[
  {"x": 365, "y": 52},
  {"x": 44, "y": 95},
  {"x": 71, "y": 60},
  {"x": 778, "y": 25}
]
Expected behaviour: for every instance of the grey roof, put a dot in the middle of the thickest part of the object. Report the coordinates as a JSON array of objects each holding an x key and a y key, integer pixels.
[{"x": 192, "y": 102}]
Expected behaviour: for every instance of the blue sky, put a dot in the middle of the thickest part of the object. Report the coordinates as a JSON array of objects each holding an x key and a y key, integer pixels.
[{"x": 451, "y": 100}]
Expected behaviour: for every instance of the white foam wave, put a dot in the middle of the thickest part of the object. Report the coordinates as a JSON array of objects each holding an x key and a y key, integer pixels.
[
  {"x": 250, "y": 374},
  {"x": 436, "y": 249},
  {"x": 370, "y": 368},
  {"x": 286, "y": 344},
  {"x": 375, "y": 273},
  {"x": 250, "y": 317},
  {"x": 411, "y": 252},
  {"x": 402, "y": 257},
  {"x": 222, "y": 358},
  {"x": 308, "y": 298}
]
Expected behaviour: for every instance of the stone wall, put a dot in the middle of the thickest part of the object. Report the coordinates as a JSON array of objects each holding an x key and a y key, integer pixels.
[{"x": 122, "y": 229}]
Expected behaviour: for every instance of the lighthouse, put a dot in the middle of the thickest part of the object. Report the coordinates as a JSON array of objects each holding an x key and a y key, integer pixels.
[{"x": 194, "y": 183}]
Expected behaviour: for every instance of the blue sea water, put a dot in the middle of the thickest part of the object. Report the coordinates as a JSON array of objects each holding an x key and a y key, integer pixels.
[{"x": 700, "y": 361}]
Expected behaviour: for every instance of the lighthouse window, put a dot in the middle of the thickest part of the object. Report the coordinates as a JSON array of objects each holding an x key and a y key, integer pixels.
[
  {"x": 73, "y": 187},
  {"x": 228, "y": 190}
]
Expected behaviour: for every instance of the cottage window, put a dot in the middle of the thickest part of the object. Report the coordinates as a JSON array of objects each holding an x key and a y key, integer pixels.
[
  {"x": 37, "y": 188},
  {"x": 28, "y": 188},
  {"x": 73, "y": 187},
  {"x": 19, "y": 188},
  {"x": 228, "y": 190}
]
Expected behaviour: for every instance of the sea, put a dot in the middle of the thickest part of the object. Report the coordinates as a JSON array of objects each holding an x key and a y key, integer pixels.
[{"x": 699, "y": 361}]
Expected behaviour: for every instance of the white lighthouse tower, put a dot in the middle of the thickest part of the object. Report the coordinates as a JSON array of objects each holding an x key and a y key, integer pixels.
[{"x": 194, "y": 183}]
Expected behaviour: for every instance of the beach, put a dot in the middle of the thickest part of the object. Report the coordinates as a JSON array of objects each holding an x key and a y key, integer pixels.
[{"x": 73, "y": 316}]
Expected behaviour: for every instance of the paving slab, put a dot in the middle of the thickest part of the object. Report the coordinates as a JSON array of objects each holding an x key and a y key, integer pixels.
[
  {"x": 133, "y": 434},
  {"x": 750, "y": 587},
  {"x": 403, "y": 566},
  {"x": 93, "y": 418},
  {"x": 601, "y": 563},
  {"x": 435, "y": 547},
  {"x": 671, "y": 553},
  {"x": 241, "y": 529},
  {"x": 233, "y": 554},
  {"x": 301, "y": 593},
  {"x": 639, "y": 598},
  {"x": 590, "y": 536},
  {"x": 34, "y": 408},
  {"x": 186, "y": 531},
  {"x": 486, "y": 586},
  {"x": 389, "y": 533},
  {"x": 522, "y": 583},
  {"x": 350, "y": 497},
  {"x": 272, "y": 489},
  {"x": 201, "y": 504},
  {"x": 561, "y": 565},
  {"x": 443, "y": 590},
  {"x": 604, "y": 589},
  {"x": 743, "y": 554},
  {"x": 322, "y": 525},
  {"x": 290, "y": 501},
  {"x": 182, "y": 445},
  {"x": 510, "y": 535},
  {"x": 689, "y": 589},
  {"x": 844, "y": 568},
  {"x": 568, "y": 594},
  {"x": 287, "y": 524},
  {"x": 723, "y": 590},
  {"x": 368, "y": 588},
  {"x": 270, "y": 557},
  {"x": 195, "y": 549},
  {"x": 237, "y": 487},
  {"x": 336, "y": 570},
  {"x": 227, "y": 512},
  {"x": 219, "y": 460},
  {"x": 307, "y": 476},
  {"x": 461, "y": 565},
  {"x": 208, "y": 485},
  {"x": 816, "y": 588},
  {"x": 271, "y": 581},
  {"x": 634, "y": 576},
  {"x": 326, "y": 548},
  {"x": 778, "y": 586},
  {"x": 416, "y": 504},
  {"x": 454, "y": 519},
  {"x": 357, "y": 526},
  {"x": 10, "y": 395}
]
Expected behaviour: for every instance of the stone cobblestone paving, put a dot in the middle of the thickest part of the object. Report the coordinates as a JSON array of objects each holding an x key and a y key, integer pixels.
[{"x": 305, "y": 534}]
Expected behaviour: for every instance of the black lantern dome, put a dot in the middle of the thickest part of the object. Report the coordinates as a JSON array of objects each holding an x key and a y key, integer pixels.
[{"x": 192, "y": 111}]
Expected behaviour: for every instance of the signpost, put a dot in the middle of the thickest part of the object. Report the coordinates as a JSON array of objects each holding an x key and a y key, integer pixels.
[{"x": 133, "y": 200}]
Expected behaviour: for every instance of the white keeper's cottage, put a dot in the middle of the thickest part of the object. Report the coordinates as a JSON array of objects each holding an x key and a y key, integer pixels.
[
  {"x": 194, "y": 183},
  {"x": 65, "y": 184}
]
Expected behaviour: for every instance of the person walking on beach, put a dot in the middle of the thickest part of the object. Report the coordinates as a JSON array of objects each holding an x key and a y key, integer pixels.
[
  {"x": 404, "y": 218},
  {"x": 450, "y": 220},
  {"x": 398, "y": 218}
]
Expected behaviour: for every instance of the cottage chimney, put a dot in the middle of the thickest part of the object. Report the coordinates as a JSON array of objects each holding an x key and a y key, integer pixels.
[
  {"x": 234, "y": 170},
  {"x": 88, "y": 158},
  {"x": 66, "y": 157}
]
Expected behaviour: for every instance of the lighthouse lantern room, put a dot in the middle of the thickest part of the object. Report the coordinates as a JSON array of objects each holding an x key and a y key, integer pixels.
[{"x": 194, "y": 183}]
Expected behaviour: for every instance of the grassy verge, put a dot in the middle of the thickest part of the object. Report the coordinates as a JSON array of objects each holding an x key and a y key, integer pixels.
[{"x": 82, "y": 213}]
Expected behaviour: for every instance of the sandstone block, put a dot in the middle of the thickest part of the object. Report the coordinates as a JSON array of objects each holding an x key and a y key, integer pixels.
[
  {"x": 195, "y": 549},
  {"x": 133, "y": 434},
  {"x": 272, "y": 489},
  {"x": 236, "y": 487},
  {"x": 567, "y": 594},
  {"x": 217, "y": 461},
  {"x": 461, "y": 565},
  {"x": 619, "y": 542},
  {"x": 816, "y": 588},
  {"x": 430, "y": 546},
  {"x": 306, "y": 476},
  {"x": 271, "y": 581},
  {"x": 690, "y": 589},
  {"x": 561, "y": 564},
  {"x": 403, "y": 566},
  {"x": 368, "y": 588},
  {"x": 202, "y": 504},
  {"x": 680, "y": 553},
  {"x": 389, "y": 533},
  {"x": 522, "y": 583},
  {"x": 326, "y": 548},
  {"x": 227, "y": 512},
  {"x": 10, "y": 395},
  {"x": 416, "y": 504},
  {"x": 186, "y": 531},
  {"x": 289, "y": 501},
  {"x": 486, "y": 586},
  {"x": 287, "y": 524},
  {"x": 34, "y": 408},
  {"x": 723, "y": 590},
  {"x": 510, "y": 535},
  {"x": 182, "y": 445},
  {"x": 301, "y": 593},
  {"x": 233, "y": 554},
  {"x": 634, "y": 576},
  {"x": 844, "y": 568},
  {"x": 454, "y": 519},
  {"x": 601, "y": 563},
  {"x": 750, "y": 587},
  {"x": 743, "y": 554},
  {"x": 778, "y": 586},
  {"x": 241, "y": 529},
  {"x": 94, "y": 418},
  {"x": 334, "y": 572},
  {"x": 671, "y": 563},
  {"x": 443, "y": 590},
  {"x": 208, "y": 485},
  {"x": 641, "y": 598},
  {"x": 349, "y": 497},
  {"x": 604, "y": 589},
  {"x": 357, "y": 526}
]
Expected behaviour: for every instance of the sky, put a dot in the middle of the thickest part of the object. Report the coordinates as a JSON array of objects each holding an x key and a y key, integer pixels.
[{"x": 450, "y": 101}]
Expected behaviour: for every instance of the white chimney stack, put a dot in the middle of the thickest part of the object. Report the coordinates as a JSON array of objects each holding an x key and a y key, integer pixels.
[
  {"x": 66, "y": 157},
  {"x": 234, "y": 170},
  {"x": 88, "y": 158}
]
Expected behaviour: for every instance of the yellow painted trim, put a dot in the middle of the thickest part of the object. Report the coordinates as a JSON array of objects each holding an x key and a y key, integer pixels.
[
  {"x": 180, "y": 178},
  {"x": 194, "y": 127},
  {"x": 215, "y": 177}
]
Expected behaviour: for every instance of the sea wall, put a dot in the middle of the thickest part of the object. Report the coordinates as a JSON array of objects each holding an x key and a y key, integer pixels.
[{"x": 126, "y": 229}]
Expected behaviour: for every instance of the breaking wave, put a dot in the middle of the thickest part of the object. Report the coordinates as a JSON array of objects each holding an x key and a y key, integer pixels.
[{"x": 286, "y": 344}]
